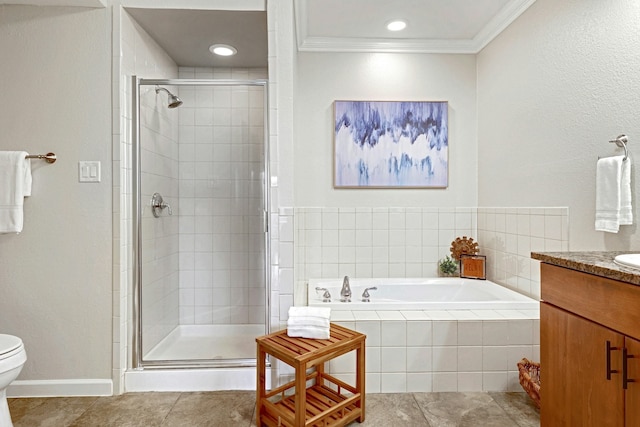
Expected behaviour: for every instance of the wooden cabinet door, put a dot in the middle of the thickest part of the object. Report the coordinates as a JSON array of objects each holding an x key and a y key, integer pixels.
[
  {"x": 574, "y": 390},
  {"x": 632, "y": 395}
]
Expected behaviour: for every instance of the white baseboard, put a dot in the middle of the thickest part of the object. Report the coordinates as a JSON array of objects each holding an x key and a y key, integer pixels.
[
  {"x": 60, "y": 388},
  {"x": 189, "y": 380}
]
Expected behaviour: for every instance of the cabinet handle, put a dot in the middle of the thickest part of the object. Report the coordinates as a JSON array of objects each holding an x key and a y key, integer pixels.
[
  {"x": 625, "y": 358},
  {"x": 609, "y": 370}
]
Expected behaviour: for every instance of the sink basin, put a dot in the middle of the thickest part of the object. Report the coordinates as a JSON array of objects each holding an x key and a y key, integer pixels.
[{"x": 628, "y": 260}]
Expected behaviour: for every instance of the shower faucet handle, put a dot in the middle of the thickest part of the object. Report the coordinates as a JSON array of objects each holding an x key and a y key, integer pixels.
[
  {"x": 158, "y": 205},
  {"x": 165, "y": 205}
]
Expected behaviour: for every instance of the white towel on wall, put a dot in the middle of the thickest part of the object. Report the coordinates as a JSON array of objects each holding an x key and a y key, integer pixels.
[
  {"x": 613, "y": 194},
  {"x": 15, "y": 185}
]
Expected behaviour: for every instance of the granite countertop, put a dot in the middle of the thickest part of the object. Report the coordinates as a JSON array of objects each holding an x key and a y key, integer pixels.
[{"x": 597, "y": 263}]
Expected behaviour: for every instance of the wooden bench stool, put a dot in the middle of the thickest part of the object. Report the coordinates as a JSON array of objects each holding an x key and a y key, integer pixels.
[{"x": 327, "y": 401}]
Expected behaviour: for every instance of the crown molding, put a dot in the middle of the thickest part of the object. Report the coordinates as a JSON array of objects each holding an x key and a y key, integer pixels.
[
  {"x": 234, "y": 5},
  {"x": 335, "y": 44},
  {"x": 498, "y": 24}
]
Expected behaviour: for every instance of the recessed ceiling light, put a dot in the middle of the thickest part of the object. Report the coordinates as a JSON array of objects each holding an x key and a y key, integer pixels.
[
  {"x": 396, "y": 25},
  {"x": 223, "y": 49}
]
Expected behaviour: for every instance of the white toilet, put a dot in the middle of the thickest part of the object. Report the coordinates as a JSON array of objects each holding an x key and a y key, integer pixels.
[{"x": 12, "y": 358}]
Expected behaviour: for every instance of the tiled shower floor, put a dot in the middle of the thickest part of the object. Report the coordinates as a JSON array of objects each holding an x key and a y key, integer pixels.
[{"x": 237, "y": 408}]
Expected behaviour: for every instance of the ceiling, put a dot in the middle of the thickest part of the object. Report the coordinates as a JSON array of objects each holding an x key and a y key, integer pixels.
[
  {"x": 433, "y": 26},
  {"x": 187, "y": 34},
  {"x": 185, "y": 30}
]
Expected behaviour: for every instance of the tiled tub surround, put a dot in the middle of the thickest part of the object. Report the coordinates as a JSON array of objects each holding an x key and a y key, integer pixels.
[
  {"x": 419, "y": 350},
  {"x": 507, "y": 236},
  {"x": 439, "y": 351},
  {"x": 408, "y": 242},
  {"x": 376, "y": 242},
  {"x": 470, "y": 340}
]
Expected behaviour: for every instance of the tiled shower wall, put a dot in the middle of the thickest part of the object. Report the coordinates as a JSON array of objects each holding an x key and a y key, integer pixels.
[
  {"x": 221, "y": 134},
  {"x": 158, "y": 173}
]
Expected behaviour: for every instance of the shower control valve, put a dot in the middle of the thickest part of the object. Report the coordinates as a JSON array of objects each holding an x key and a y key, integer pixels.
[{"x": 158, "y": 205}]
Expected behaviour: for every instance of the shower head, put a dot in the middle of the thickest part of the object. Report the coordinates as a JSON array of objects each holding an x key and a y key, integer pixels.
[{"x": 174, "y": 101}]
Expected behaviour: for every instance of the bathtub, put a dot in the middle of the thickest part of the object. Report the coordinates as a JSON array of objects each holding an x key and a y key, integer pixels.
[
  {"x": 420, "y": 294},
  {"x": 435, "y": 335}
]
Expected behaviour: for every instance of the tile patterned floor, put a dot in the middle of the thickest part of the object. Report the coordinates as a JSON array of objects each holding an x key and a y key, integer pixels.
[{"x": 237, "y": 408}]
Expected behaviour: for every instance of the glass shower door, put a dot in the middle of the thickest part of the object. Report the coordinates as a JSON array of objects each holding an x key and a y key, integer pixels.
[{"x": 203, "y": 256}]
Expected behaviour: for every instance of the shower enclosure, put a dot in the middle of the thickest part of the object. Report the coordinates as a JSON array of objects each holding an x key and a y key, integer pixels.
[{"x": 200, "y": 221}]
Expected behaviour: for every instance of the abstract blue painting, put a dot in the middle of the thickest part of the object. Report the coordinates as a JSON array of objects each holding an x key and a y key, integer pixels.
[{"x": 384, "y": 144}]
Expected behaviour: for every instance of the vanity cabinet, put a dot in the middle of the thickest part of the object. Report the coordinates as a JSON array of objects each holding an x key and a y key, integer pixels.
[{"x": 589, "y": 350}]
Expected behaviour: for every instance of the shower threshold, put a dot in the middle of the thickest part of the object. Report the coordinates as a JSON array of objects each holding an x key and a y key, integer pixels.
[
  {"x": 202, "y": 343},
  {"x": 200, "y": 358}
]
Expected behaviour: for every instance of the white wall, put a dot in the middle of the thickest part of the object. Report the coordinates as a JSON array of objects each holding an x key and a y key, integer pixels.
[
  {"x": 553, "y": 88},
  {"x": 323, "y": 78},
  {"x": 55, "y": 277}
]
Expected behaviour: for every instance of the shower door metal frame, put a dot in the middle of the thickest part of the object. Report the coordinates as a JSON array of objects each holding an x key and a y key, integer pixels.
[{"x": 136, "y": 342}]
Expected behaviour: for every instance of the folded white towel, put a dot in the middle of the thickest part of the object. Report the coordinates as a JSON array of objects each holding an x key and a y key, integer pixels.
[
  {"x": 15, "y": 184},
  {"x": 313, "y": 332},
  {"x": 308, "y": 321},
  {"x": 322, "y": 312}
]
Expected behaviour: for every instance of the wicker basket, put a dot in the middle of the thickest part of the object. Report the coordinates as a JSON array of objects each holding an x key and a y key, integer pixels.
[{"x": 529, "y": 375}]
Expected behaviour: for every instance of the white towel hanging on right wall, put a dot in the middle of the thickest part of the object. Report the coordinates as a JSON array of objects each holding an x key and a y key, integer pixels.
[{"x": 613, "y": 193}]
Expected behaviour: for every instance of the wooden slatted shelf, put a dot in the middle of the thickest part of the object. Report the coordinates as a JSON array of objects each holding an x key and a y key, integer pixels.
[{"x": 328, "y": 402}]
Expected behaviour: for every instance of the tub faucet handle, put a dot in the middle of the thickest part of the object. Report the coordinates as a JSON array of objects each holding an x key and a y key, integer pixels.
[
  {"x": 326, "y": 297},
  {"x": 365, "y": 294}
]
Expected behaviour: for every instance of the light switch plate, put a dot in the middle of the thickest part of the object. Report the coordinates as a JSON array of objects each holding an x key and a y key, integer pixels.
[{"x": 89, "y": 171}]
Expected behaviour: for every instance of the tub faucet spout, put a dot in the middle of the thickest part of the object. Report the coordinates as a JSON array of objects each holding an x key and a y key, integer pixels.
[{"x": 345, "y": 292}]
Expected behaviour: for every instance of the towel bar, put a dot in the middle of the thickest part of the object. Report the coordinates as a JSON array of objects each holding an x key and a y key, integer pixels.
[
  {"x": 621, "y": 141},
  {"x": 49, "y": 157}
]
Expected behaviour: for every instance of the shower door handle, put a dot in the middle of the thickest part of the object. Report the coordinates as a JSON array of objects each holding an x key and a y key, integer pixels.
[
  {"x": 158, "y": 205},
  {"x": 265, "y": 217}
]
